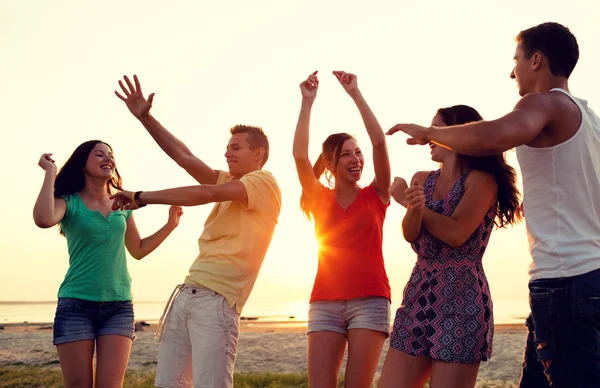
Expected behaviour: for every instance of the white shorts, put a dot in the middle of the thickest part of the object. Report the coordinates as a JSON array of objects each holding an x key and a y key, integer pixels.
[{"x": 199, "y": 343}]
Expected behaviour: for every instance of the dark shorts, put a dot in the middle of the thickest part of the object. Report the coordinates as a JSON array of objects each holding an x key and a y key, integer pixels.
[
  {"x": 564, "y": 328},
  {"x": 78, "y": 319}
]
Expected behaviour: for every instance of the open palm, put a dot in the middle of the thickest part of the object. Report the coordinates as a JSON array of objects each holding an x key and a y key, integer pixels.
[{"x": 134, "y": 98}]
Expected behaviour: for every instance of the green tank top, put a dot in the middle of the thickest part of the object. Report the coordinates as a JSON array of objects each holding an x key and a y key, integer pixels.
[{"x": 97, "y": 260}]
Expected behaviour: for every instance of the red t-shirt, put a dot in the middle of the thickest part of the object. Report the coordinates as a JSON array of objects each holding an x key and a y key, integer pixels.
[{"x": 350, "y": 255}]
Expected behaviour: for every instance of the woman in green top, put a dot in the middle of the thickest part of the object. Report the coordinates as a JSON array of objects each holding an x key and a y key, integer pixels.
[{"x": 94, "y": 301}]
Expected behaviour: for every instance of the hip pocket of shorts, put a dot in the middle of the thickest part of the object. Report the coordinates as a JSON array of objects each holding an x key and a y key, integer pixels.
[
  {"x": 126, "y": 304},
  {"x": 227, "y": 314},
  {"x": 384, "y": 310},
  {"x": 65, "y": 304}
]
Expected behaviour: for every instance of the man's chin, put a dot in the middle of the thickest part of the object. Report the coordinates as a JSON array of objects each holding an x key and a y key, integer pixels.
[{"x": 235, "y": 170}]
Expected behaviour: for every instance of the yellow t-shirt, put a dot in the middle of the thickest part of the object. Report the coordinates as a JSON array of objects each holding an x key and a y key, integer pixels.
[{"x": 235, "y": 239}]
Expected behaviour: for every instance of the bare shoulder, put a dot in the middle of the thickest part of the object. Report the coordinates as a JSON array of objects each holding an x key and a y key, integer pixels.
[
  {"x": 537, "y": 100},
  {"x": 420, "y": 176},
  {"x": 551, "y": 101},
  {"x": 479, "y": 178}
]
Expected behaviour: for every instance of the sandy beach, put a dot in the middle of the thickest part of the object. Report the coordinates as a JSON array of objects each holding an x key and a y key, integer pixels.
[{"x": 263, "y": 347}]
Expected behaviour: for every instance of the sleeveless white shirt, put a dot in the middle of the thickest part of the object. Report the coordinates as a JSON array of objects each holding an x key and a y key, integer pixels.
[{"x": 561, "y": 200}]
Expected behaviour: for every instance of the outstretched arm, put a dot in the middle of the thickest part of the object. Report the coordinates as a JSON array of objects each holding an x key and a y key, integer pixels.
[
  {"x": 48, "y": 211},
  {"x": 175, "y": 148},
  {"x": 521, "y": 126},
  {"x": 381, "y": 161},
  {"x": 184, "y": 196},
  {"x": 308, "y": 181},
  {"x": 140, "y": 248}
]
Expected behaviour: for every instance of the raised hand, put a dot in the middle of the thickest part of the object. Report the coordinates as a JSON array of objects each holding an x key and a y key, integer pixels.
[
  {"x": 348, "y": 81},
  {"x": 123, "y": 200},
  {"x": 175, "y": 213},
  {"x": 417, "y": 133},
  {"x": 415, "y": 196},
  {"x": 134, "y": 98},
  {"x": 310, "y": 86},
  {"x": 398, "y": 191},
  {"x": 47, "y": 163}
]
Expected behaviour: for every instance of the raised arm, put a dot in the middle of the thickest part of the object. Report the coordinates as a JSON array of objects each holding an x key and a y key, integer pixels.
[
  {"x": 48, "y": 211},
  {"x": 480, "y": 194},
  {"x": 381, "y": 161},
  {"x": 521, "y": 126},
  {"x": 140, "y": 247},
  {"x": 308, "y": 181},
  {"x": 175, "y": 148}
]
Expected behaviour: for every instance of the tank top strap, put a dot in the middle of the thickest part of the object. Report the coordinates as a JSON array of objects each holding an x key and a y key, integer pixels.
[{"x": 430, "y": 183}]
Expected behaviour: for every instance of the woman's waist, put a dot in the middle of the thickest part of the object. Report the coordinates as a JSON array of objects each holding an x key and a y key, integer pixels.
[
  {"x": 351, "y": 274},
  {"x": 349, "y": 289},
  {"x": 442, "y": 261}
]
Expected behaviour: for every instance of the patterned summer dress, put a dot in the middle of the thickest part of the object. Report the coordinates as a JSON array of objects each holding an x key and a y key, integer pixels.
[{"x": 446, "y": 312}]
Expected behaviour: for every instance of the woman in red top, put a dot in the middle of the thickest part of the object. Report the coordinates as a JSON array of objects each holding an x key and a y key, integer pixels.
[{"x": 350, "y": 301}]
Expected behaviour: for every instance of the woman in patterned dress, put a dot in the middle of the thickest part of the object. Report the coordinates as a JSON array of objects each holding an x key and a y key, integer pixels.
[{"x": 445, "y": 325}]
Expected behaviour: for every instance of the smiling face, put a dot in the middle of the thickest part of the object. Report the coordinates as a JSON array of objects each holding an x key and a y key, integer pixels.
[
  {"x": 438, "y": 153},
  {"x": 350, "y": 162},
  {"x": 241, "y": 159},
  {"x": 100, "y": 163},
  {"x": 523, "y": 72}
]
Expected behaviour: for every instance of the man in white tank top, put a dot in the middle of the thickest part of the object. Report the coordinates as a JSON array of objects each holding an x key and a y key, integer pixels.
[{"x": 558, "y": 147}]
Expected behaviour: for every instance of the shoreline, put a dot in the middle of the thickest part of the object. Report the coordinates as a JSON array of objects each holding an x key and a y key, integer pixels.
[
  {"x": 246, "y": 326},
  {"x": 264, "y": 346}
]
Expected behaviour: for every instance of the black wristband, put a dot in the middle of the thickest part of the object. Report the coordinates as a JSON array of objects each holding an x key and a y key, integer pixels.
[{"x": 136, "y": 199}]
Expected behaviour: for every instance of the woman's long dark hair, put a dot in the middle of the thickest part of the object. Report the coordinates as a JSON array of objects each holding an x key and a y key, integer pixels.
[
  {"x": 506, "y": 177},
  {"x": 71, "y": 177},
  {"x": 330, "y": 153}
]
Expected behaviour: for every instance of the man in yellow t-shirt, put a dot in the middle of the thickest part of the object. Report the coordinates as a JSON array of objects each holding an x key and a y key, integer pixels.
[{"x": 201, "y": 322}]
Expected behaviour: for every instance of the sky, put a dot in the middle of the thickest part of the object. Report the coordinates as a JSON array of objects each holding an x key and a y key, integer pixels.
[{"x": 216, "y": 64}]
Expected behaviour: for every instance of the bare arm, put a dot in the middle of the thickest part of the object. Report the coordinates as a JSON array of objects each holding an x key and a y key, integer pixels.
[
  {"x": 140, "y": 248},
  {"x": 381, "y": 161},
  {"x": 186, "y": 196},
  {"x": 480, "y": 194},
  {"x": 179, "y": 152},
  {"x": 521, "y": 126},
  {"x": 306, "y": 175},
  {"x": 172, "y": 146},
  {"x": 412, "y": 223},
  {"x": 48, "y": 211}
]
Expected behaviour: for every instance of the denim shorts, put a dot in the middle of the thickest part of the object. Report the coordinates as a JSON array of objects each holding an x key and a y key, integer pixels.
[
  {"x": 339, "y": 316},
  {"x": 78, "y": 319},
  {"x": 564, "y": 328}
]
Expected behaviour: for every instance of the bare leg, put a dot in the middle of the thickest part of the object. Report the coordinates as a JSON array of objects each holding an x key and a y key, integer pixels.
[
  {"x": 453, "y": 375},
  {"x": 112, "y": 357},
  {"x": 403, "y": 370},
  {"x": 325, "y": 355},
  {"x": 364, "y": 350},
  {"x": 77, "y": 363}
]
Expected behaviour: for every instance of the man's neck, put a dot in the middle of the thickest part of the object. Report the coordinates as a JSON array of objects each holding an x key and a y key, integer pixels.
[
  {"x": 238, "y": 176},
  {"x": 553, "y": 82}
]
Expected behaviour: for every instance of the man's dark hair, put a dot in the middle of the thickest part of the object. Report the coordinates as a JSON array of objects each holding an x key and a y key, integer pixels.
[{"x": 556, "y": 42}]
